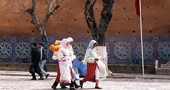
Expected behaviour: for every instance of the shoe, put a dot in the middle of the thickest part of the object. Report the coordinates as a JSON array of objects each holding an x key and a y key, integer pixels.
[
  {"x": 46, "y": 76},
  {"x": 72, "y": 89},
  {"x": 63, "y": 87},
  {"x": 98, "y": 88},
  {"x": 77, "y": 86},
  {"x": 54, "y": 85},
  {"x": 41, "y": 78},
  {"x": 33, "y": 79},
  {"x": 81, "y": 83},
  {"x": 81, "y": 76}
]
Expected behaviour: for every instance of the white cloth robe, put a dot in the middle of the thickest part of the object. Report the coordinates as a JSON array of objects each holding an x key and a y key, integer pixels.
[
  {"x": 90, "y": 56},
  {"x": 65, "y": 64},
  {"x": 72, "y": 56},
  {"x": 55, "y": 55}
]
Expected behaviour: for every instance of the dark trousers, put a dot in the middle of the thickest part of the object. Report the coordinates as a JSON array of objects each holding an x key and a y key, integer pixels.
[{"x": 37, "y": 70}]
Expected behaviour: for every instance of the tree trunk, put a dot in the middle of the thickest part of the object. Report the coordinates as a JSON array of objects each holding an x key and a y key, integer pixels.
[
  {"x": 106, "y": 16},
  {"x": 102, "y": 51},
  {"x": 44, "y": 39},
  {"x": 101, "y": 39},
  {"x": 98, "y": 32}
]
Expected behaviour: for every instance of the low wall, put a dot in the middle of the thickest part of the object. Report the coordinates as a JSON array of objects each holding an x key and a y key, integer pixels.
[
  {"x": 121, "y": 68},
  {"x": 163, "y": 71},
  {"x": 115, "y": 68},
  {"x": 23, "y": 66}
]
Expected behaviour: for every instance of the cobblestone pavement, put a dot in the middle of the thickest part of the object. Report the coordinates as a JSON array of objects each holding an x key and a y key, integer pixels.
[{"x": 23, "y": 82}]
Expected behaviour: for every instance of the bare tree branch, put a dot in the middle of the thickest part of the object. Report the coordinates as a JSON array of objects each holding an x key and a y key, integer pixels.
[
  {"x": 89, "y": 16},
  {"x": 21, "y": 4},
  {"x": 34, "y": 18},
  {"x": 52, "y": 7},
  {"x": 22, "y": 7},
  {"x": 98, "y": 32},
  {"x": 62, "y": 7},
  {"x": 48, "y": 13},
  {"x": 106, "y": 15}
]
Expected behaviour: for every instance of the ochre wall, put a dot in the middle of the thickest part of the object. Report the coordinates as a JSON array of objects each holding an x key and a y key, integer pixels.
[{"x": 71, "y": 21}]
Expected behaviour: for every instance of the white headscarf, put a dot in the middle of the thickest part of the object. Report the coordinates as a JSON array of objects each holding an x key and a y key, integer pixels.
[
  {"x": 70, "y": 39},
  {"x": 92, "y": 42},
  {"x": 64, "y": 43}
]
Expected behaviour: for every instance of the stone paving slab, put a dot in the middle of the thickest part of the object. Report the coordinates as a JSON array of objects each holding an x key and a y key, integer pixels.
[
  {"x": 115, "y": 75},
  {"x": 24, "y": 83}
]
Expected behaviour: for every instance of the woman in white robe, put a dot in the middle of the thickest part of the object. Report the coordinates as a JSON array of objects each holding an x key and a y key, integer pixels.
[
  {"x": 72, "y": 57},
  {"x": 65, "y": 65},
  {"x": 95, "y": 67},
  {"x": 65, "y": 62}
]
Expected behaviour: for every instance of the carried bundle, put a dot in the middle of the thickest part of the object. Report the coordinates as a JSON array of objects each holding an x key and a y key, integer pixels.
[{"x": 55, "y": 49}]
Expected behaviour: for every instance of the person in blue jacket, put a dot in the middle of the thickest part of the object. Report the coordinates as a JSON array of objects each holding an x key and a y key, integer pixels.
[{"x": 43, "y": 60}]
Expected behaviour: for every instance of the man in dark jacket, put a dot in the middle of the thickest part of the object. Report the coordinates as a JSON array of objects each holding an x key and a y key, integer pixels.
[{"x": 35, "y": 57}]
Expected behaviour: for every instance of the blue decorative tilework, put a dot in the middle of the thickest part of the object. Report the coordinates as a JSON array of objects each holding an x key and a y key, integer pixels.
[
  {"x": 121, "y": 49},
  {"x": 164, "y": 50},
  {"x": 5, "y": 50},
  {"x": 22, "y": 50},
  {"x": 147, "y": 50}
]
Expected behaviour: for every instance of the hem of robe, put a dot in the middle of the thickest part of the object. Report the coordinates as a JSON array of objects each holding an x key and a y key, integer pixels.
[{"x": 91, "y": 67}]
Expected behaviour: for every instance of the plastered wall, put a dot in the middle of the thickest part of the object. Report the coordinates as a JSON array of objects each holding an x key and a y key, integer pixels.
[
  {"x": 123, "y": 29},
  {"x": 70, "y": 20}
]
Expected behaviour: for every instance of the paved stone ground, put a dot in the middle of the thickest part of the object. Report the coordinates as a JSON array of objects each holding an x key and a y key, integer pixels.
[{"x": 21, "y": 81}]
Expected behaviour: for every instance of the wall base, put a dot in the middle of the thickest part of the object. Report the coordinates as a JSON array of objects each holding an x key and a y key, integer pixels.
[{"x": 115, "y": 68}]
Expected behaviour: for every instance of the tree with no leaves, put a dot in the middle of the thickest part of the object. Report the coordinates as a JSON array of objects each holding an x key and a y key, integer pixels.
[
  {"x": 52, "y": 6},
  {"x": 98, "y": 31}
]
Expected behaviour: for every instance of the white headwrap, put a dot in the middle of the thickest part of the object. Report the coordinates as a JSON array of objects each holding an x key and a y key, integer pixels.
[
  {"x": 64, "y": 43},
  {"x": 70, "y": 39},
  {"x": 92, "y": 42}
]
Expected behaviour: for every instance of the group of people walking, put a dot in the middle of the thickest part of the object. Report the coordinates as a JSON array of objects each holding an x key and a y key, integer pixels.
[
  {"x": 38, "y": 61},
  {"x": 66, "y": 72}
]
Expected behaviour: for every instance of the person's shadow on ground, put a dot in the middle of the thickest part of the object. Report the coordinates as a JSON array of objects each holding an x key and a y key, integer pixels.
[{"x": 69, "y": 89}]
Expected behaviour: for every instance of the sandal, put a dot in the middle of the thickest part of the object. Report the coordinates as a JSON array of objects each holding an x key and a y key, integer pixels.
[{"x": 98, "y": 88}]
